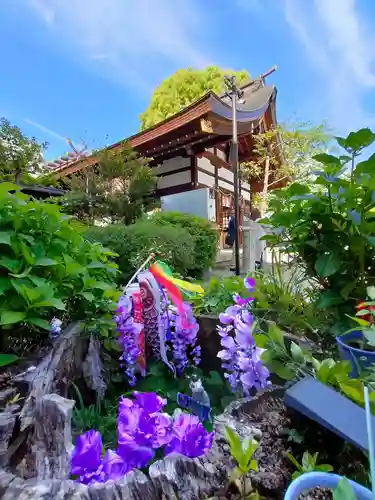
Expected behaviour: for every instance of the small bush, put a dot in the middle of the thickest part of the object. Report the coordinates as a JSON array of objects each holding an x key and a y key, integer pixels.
[
  {"x": 205, "y": 238},
  {"x": 134, "y": 243},
  {"x": 47, "y": 268}
]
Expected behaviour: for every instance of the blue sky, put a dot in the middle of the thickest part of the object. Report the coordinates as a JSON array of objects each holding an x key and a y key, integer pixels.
[{"x": 86, "y": 68}]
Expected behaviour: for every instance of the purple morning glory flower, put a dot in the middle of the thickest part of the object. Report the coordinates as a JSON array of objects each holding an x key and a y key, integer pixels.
[
  {"x": 250, "y": 283},
  {"x": 142, "y": 428},
  {"x": 86, "y": 456},
  {"x": 189, "y": 437},
  {"x": 114, "y": 466},
  {"x": 242, "y": 301},
  {"x": 149, "y": 401}
]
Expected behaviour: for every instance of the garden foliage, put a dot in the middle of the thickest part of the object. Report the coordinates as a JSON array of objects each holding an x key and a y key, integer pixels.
[
  {"x": 204, "y": 235},
  {"x": 47, "y": 268},
  {"x": 119, "y": 187},
  {"x": 330, "y": 224},
  {"x": 134, "y": 243}
]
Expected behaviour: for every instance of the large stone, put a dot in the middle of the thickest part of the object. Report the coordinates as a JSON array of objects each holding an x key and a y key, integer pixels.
[
  {"x": 54, "y": 373},
  {"x": 93, "y": 369}
]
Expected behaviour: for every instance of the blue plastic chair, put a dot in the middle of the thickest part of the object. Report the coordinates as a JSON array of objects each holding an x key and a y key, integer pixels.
[{"x": 312, "y": 480}]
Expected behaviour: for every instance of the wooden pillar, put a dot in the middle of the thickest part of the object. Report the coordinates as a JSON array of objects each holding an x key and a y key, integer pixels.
[{"x": 194, "y": 171}]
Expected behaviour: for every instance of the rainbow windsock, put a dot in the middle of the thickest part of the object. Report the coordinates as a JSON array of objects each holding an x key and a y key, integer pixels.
[{"x": 166, "y": 282}]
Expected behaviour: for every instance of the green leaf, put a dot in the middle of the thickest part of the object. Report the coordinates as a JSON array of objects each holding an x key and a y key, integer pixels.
[
  {"x": 327, "y": 264},
  {"x": 45, "y": 261},
  {"x": 11, "y": 317},
  {"x": 275, "y": 334},
  {"x": 5, "y": 284},
  {"x": 308, "y": 460},
  {"x": 371, "y": 292},
  {"x": 38, "y": 281},
  {"x": 5, "y": 187},
  {"x": 52, "y": 302},
  {"x": 363, "y": 312},
  {"x": 353, "y": 389},
  {"x": 8, "y": 359},
  {"x": 369, "y": 333},
  {"x": 40, "y": 322},
  {"x": 101, "y": 285},
  {"x": 323, "y": 468},
  {"x": 357, "y": 140},
  {"x": 281, "y": 370},
  {"x": 215, "y": 379},
  {"x": 261, "y": 340},
  {"x": 96, "y": 265},
  {"x": 329, "y": 298},
  {"x": 12, "y": 265},
  {"x": 327, "y": 159},
  {"x": 234, "y": 443},
  {"x": 344, "y": 491},
  {"x": 359, "y": 321},
  {"x": 297, "y": 353},
  {"x": 88, "y": 296},
  {"x": 249, "y": 447},
  {"x": 371, "y": 240},
  {"x": 324, "y": 370},
  {"x": 5, "y": 237},
  {"x": 294, "y": 462}
]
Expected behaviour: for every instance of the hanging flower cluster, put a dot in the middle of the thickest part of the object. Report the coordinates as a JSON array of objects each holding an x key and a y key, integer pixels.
[
  {"x": 183, "y": 338},
  {"x": 128, "y": 337},
  {"x": 241, "y": 358},
  {"x": 181, "y": 334},
  {"x": 142, "y": 429}
]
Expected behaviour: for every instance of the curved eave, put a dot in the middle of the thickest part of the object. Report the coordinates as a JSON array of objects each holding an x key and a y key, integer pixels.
[
  {"x": 247, "y": 112},
  {"x": 257, "y": 101}
]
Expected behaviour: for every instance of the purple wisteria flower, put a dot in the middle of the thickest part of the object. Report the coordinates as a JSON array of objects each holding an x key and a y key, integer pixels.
[
  {"x": 189, "y": 437},
  {"x": 241, "y": 358},
  {"x": 183, "y": 337},
  {"x": 128, "y": 337}
]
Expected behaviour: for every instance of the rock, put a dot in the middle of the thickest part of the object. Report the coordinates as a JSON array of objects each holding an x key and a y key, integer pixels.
[
  {"x": 54, "y": 373},
  {"x": 93, "y": 369},
  {"x": 52, "y": 446},
  {"x": 134, "y": 486},
  {"x": 7, "y": 423},
  {"x": 6, "y": 395}
]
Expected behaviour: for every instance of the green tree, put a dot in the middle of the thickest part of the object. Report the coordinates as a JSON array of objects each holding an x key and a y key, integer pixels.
[
  {"x": 184, "y": 87},
  {"x": 284, "y": 153},
  {"x": 21, "y": 157},
  {"x": 119, "y": 187}
]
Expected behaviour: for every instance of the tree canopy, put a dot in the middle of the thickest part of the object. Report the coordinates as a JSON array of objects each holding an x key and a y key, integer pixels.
[
  {"x": 285, "y": 152},
  {"x": 21, "y": 157},
  {"x": 184, "y": 87},
  {"x": 119, "y": 187}
]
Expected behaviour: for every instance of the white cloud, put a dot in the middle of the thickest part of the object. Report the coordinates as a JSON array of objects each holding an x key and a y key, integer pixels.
[
  {"x": 340, "y": 49},
  {"x": 127, "y": 39},
  {"x": 52, "y": 133}
]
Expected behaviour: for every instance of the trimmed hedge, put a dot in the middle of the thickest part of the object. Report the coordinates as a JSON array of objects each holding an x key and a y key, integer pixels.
[
  {"x": 133, "y": 244},
  {"x": 204, "y": 235}
]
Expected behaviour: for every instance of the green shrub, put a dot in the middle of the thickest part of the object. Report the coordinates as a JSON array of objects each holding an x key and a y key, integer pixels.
[
  {"x": 330, "y": 226},
  {"x": 47, "y": 268},
  {"x": 134, "y": 243},
  {"x": 204, "y": 235}
]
